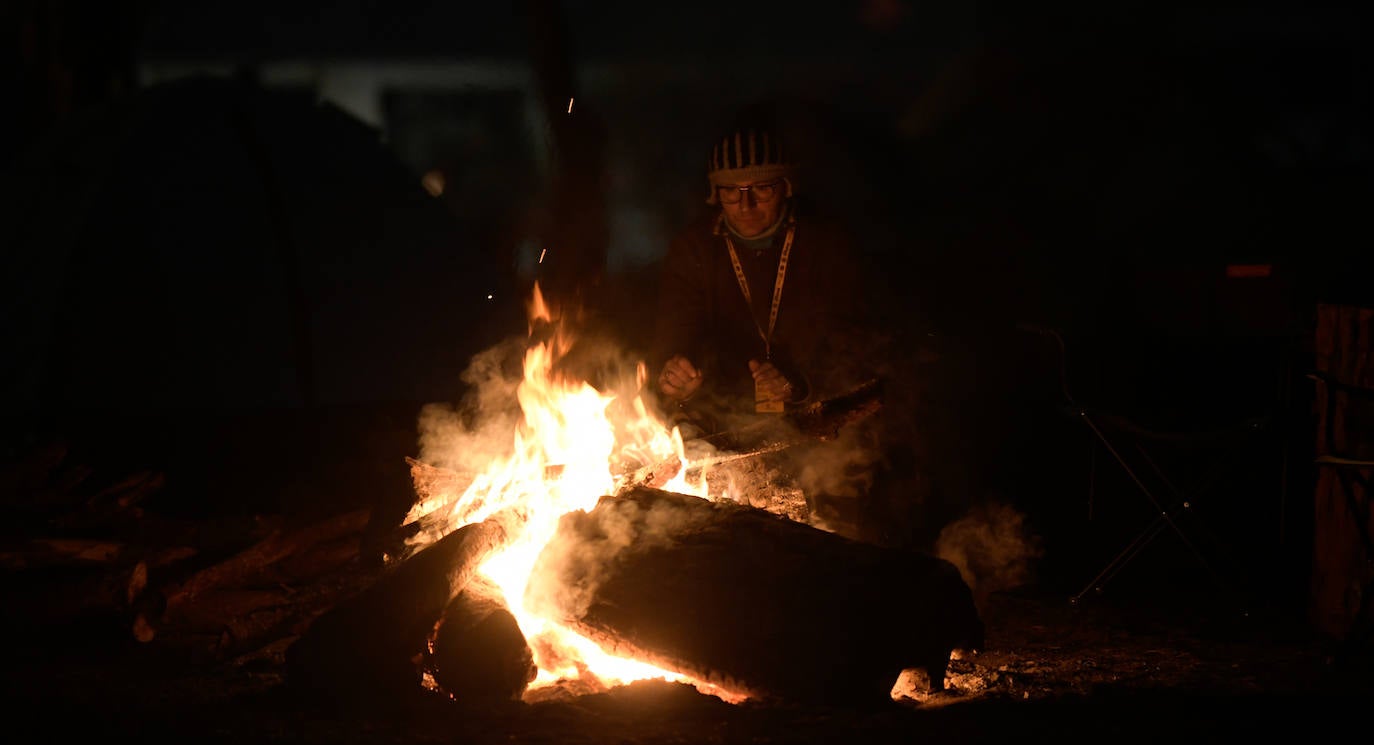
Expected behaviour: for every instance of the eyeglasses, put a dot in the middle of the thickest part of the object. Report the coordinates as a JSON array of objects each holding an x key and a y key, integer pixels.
[{"x": 764, "y": 192}]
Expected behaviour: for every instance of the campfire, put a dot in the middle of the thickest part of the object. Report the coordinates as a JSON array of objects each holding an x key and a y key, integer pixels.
[
  {"x": 598, "y": 553},
  {"x": 573, "y": 445},
  {"x": 592, "y": 548}
]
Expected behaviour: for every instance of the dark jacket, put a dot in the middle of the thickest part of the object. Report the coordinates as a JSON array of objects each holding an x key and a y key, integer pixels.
[{"x": 823, "y": 340}]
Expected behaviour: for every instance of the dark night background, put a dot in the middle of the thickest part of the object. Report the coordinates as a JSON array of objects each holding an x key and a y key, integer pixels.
[{"x": 220, "y": 259}]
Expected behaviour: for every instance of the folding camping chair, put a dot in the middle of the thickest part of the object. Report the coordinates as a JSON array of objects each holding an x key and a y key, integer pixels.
[{"x": 1139, "y": 450}]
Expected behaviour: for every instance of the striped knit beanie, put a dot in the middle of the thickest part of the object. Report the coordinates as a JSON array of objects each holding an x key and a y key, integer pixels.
[{"x": 745, "y": 155}]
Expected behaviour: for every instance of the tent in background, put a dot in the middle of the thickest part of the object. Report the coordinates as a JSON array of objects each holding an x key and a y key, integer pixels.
[{"x": 224, "y": 268}]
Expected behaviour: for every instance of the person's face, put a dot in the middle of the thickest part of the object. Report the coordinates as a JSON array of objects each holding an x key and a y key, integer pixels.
[{"x": 753, "y": 207}]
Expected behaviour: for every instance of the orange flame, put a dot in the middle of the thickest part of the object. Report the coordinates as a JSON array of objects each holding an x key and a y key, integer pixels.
[{"x": 567, "y": 446}]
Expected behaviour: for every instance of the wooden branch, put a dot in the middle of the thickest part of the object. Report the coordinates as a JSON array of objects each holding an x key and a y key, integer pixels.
[
  {"x": 114, "y": 509},
  {"x": 231, "y": 623},
  {"x": 60, "y": 596},
  {"x": 302, "y": 607},
  {"x": 48, "y": 552},
  {"x": 168, "y": 605},
  {"x": 821, "y": 420},
  {"x": 315, "y": 561},
  {"x": 278, "y": 545},
  {"x": 437, "y": 490}
]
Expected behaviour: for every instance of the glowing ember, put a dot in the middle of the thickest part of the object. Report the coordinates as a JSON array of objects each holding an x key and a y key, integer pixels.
[{"x": 570, "y": 444}]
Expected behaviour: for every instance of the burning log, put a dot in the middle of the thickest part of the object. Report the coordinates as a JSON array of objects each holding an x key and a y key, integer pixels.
[
  {"x": 438, "y": 489},
  {"x": 369, "y": 646},
  {"x": 754, "y": 603},
  {"x": 479, "y": 654}
]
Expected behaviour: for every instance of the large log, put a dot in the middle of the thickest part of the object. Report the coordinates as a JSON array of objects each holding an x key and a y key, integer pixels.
[
  {"x": 368, "y": 648},
  {"x": 751, "y": 602},
  {"x": 479, "y": 654}
]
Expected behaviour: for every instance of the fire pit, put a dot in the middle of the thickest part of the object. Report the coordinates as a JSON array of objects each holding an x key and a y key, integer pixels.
[{"x": 595, "y": 553}]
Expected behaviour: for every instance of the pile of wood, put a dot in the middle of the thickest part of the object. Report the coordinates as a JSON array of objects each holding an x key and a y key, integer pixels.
[
  {"x": 728, "y": 594},
  {"x": 84, "y": 547}
]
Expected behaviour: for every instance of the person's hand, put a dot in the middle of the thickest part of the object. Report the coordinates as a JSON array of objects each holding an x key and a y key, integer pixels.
[
  {"x": 679, "y": 379},
  {"x": 770, "y": 386}
]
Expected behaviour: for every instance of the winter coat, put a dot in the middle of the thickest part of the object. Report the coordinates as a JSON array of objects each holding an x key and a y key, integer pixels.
[{"x": 823, "y": 340}]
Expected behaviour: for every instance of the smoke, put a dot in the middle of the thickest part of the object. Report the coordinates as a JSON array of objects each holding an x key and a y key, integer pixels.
[
  {"x": 992, "y": 547},
  {"x": 467, "y": 437},
  {"x": 571, "y": 567},
  {"x": 843, "y": 467}
]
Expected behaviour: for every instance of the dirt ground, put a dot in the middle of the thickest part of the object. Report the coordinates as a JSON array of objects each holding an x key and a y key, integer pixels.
[
  {"x": 1107, "y": 668},
  {"x": 1143, "y": 661}
]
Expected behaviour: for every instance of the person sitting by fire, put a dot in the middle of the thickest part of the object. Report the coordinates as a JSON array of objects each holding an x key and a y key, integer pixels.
[
  {"x": 762, "y": 309},
  {"x": 760, "y": 306}
]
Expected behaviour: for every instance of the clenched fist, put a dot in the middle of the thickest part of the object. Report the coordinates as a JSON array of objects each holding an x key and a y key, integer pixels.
[{"x": 679, "y": 379}]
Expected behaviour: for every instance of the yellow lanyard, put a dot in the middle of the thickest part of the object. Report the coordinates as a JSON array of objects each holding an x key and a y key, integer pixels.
[{"x": 767, "y": 336}]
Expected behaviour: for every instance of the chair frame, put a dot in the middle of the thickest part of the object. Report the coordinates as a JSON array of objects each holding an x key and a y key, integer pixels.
[{"x": 1172, "y": 505}]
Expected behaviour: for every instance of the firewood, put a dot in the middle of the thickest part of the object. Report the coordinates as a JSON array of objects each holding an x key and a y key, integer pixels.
[
  {"x": 115, "y": 509},
  {"x": 438, "y": 489},
  {"x": 43, "y": 481},
  {"x": 479, "y": 655},
  {"x": 751, "y": 602},
  {"x": 215, "y": 608},
  {"x": 818, "y": 420},
  {"x": 48, "y": 552},
  {"x": 321, "y": 559},
  {"x": 301, "y": 606},
  {"x": 226, "y": 623},
  {"x": 62, "y": 580},
  {"x": 172, "y": 599},
  {"x": 28, "y": 477},
  {"x": 54, "y": 597},
  {"x": 369, "y": 647},
  {"x": 256, "y": 558},
  {"x": 435, "y": 486}
]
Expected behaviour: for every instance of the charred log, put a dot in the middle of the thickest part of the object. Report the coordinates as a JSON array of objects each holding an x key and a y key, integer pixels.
[
  {"x": 369, "y": 647},
  {"x": 754, "y": 603},
  {"x": 479, "y": 654}
]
